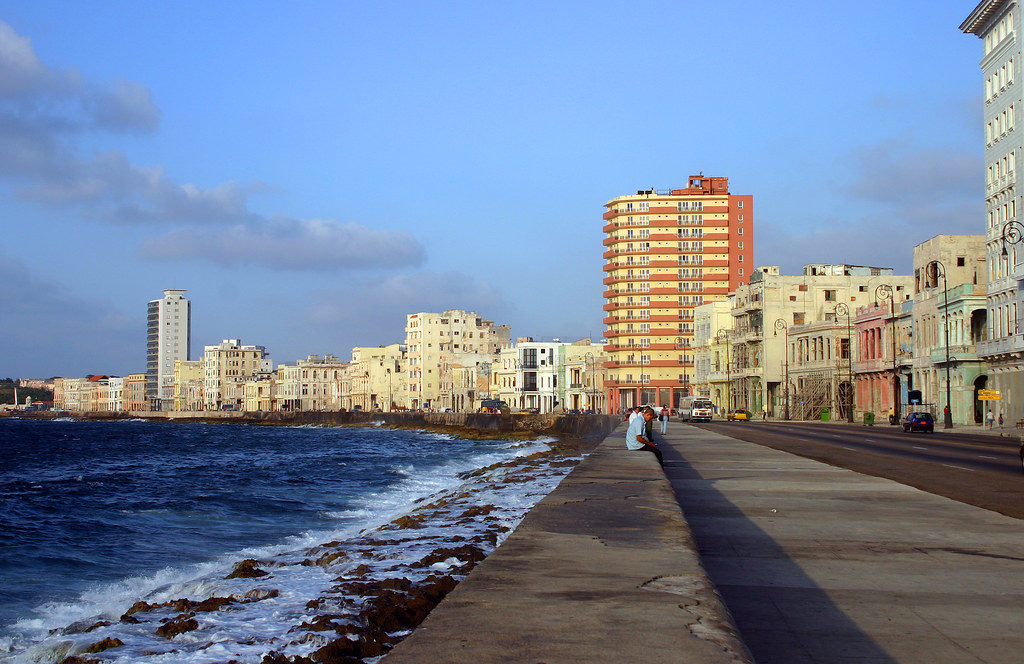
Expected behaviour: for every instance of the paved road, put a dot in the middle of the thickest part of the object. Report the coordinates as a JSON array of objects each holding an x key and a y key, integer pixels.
[
  {"x": 822, "y": 564},
  {"x": 977, "y": 469}
]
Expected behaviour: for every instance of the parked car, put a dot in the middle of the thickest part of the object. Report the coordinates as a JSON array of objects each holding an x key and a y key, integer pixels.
[
  {"x": 919, "y": 422},
  {"x": 738, "y": 415}
]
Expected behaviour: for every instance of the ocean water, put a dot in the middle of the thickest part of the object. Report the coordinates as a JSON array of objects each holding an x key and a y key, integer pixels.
[{"x": 95, "y": 516}]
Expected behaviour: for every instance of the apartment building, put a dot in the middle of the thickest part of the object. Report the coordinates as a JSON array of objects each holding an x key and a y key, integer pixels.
[
  {"x": 168, "y": 339},
  {"x": 996, "y": 22},
  {"x": 135, "y": 391},
  {"x": 450, "y": 334},
  {"x": 883, "y": 358},
  {"x": 580, "y": 384},
  {"x": 950, "y": 321},
  {"x": 226, "y": 368},
  {"x": 760, "y": 354},
  {"x": 711, "y": 325},
  {"x": 189, "y": 382},
  {"x": 666, "y": 253},
  {"x": 309, "y": 384}
]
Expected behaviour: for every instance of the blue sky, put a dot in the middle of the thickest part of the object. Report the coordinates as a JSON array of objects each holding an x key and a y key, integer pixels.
[{"x": 312, "y": 172}]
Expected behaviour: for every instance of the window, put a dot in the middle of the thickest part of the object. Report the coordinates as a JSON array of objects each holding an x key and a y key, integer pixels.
[
  {"x": 739, "y": 231},
  {"x": 741, "y": 272},
  {"x": 740, "y": 217},
  {"x": 830, "y": 295},
  {"x": 739, "y": 204},
  {"x": 739, "y": 245},
  {"x": 960, "y": 261},
  {"x": 739, "y": 259}
]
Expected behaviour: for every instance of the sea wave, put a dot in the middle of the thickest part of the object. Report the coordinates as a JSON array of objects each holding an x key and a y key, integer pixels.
[{"x": 408, "y": 530}]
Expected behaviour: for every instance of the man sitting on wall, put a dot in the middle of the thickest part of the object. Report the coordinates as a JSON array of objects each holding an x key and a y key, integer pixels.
[{"x": 635, "y": 439}]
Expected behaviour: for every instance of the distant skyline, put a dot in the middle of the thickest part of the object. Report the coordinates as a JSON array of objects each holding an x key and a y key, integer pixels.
[{"x": 310, "y": 176}]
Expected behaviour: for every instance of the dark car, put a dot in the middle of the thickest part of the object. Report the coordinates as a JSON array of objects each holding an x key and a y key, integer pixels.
[
  {"x": 1022, "y": 455},
  {"x": 919, "y": 422}
]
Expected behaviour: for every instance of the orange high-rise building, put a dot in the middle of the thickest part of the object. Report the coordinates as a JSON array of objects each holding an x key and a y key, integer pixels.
[{"x": 667, "y": 252}]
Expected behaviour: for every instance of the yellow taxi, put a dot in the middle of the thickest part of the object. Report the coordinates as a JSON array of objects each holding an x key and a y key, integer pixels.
[{"x": 738, "y": 415}]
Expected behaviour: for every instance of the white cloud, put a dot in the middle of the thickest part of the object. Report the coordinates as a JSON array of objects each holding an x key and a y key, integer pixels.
[
  {"x": 289, "y": 244},
  {"x": 41, "y": 108}
]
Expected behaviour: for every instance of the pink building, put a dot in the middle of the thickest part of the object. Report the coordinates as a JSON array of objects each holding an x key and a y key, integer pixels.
[{"x": 873, "y": 367}]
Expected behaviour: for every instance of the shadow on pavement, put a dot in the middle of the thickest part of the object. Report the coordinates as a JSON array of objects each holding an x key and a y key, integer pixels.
[{"x": 783, "y": 616}]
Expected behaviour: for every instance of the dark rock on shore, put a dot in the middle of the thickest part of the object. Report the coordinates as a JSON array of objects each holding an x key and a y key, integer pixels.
[
  {"x": 466, "y": 553},
  {"x": 247, "y": 569},
  {"x": 137, "y": 607},
  {"x": 105, "y": 644},
  {"x": 180, "y": 625}
]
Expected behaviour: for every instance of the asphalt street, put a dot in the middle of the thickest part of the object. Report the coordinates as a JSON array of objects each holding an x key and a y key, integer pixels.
[{"x": 978, "y": 469}]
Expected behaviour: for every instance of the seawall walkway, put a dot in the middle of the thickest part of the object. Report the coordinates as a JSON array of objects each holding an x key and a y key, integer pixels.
[
  {"x": 823, "y": 564},
  {"x": 603, "y": 569}
]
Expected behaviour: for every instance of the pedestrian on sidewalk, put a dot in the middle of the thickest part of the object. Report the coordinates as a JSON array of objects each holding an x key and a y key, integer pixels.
[
  {"x": 635, "y": 439},
  {"x": 663, "y": 418},
  {"x": 764, "y": 413},
  {"x": 989, "y": 419},
  {"x": 1000, "y": 420}
]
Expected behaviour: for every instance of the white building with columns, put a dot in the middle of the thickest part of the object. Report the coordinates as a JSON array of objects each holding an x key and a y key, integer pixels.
[{"x": 996, "y": 23}]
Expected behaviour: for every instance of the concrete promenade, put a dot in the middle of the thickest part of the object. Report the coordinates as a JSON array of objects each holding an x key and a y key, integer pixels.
[
  {"x": 822, "y": 564},
  {"x": 603, "y": 569}
]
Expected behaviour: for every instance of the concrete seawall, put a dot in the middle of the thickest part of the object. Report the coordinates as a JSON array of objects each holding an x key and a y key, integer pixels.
[{"x": 603, "y": 569}]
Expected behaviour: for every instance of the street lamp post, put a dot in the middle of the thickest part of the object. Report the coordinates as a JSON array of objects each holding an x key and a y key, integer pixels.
[
  {"x": 882, "y": 292},
  {"x": 781, "y": 325},
  {"x": 936, "y": 265},
  {"x": 391, "y": 400},
  {"x": 843, "y": 310},
  {"x": 728, "y": 372}
]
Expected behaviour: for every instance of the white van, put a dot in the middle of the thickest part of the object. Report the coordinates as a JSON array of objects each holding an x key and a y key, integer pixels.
[{"x": 696, "y": 409}]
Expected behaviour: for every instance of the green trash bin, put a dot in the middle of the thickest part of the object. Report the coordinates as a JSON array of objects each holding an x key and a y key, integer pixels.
[
  {"x": 869, "y": 419},
  {"x": 825, "y": 415}
]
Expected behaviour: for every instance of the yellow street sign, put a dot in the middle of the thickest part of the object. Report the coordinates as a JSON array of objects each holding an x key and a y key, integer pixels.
[
  {"x": 988, "y": 393},
  {"x": 988, "y": 397}
]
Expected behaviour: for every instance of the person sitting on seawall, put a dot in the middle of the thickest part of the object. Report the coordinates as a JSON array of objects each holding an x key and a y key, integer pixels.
[{"x": 635, "y": 439}]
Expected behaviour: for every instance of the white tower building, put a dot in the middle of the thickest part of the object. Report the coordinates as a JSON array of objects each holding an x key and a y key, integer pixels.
[
  {"x": 996, "y": 23},
  {"x": 168, "y": 338}
]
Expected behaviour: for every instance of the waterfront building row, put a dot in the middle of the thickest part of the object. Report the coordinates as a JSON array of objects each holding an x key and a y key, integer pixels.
[
  {"x": 851, "y": 340},
  {"x": 453, "y": 360}
]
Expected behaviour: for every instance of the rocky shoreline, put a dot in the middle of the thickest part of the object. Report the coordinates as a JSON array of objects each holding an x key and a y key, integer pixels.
[{"x": 382, "y": 583}]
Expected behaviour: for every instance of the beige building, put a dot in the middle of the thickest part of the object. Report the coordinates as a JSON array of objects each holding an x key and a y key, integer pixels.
[
  {"x": 259, "y": 394},
  {"x": 67, "y": 393},
  {"x": 376, "y": 378},
  {"x": 189, "y": 382},
  {"x": 949, "y": 285},
  {"x": 226, "y": 368},
  {"x": 309, "y": 384},
  {"x": 452, "y": 334},
  {"x": 135, "y": 392},
  {"x": 711, "y": 325},
  {"x": 666, "y": 253},
  {"x": 581, "y": 375},
  {"x": 773, "y": 306}
]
